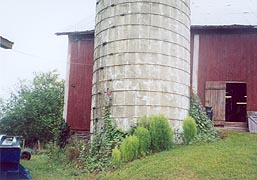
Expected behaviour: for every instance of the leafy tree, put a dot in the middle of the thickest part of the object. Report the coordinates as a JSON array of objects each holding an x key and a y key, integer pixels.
[
  {"x": 34, "y": 111},
  {"x": 1, "y": 104}
]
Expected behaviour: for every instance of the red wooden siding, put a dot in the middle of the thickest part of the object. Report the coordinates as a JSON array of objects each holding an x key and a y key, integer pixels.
[
  {"x": 80, "y": 82},
  {"x": 229, "y": 57}
]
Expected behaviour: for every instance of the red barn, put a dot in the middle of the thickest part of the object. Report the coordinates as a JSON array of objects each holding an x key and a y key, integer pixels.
[
  {"x": 78, "y": 90},
  {"x": 224, "y": 72}
]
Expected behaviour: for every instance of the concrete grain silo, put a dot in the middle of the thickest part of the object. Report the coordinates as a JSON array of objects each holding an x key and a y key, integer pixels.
[{"x": 142, "y": 60}]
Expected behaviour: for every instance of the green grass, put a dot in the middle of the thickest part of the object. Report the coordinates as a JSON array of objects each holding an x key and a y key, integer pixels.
[
  {"x": 232, "y": 158},
  {"x": 41, "y": 169}
]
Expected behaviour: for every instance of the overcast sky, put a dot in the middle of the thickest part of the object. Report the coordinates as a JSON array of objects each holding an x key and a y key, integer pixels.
[
  {"x": 32, "y": 24},
  {"x": 224, "y": 12}
]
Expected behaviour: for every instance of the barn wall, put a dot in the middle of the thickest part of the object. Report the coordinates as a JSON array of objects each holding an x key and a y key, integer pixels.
[
  {"x": 228, "y": 57},
  {"x": 81, "y": 49}
]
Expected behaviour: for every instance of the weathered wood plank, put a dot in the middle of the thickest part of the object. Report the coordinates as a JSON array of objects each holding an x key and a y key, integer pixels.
[{"x": 215, "y": 98}]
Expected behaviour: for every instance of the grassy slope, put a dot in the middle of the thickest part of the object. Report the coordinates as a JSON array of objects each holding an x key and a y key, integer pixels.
[{"x": 232, "y": 158}]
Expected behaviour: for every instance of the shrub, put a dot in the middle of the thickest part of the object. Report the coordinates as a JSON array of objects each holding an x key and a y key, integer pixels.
[
  {"x": 129, "y": 148},
  {"x": 54, "y": 153},
  {"x": 161, "y": 133},
  {"x": 116, "y": 157},
  {"x": 189, "y": 127},
  {"x": 72, "y": 153},
  {"x": 91, "y": 156},
  {"x": 143, "y": 122},
  {"x": 64, "y": 135},
  {"x": 144, "y": 138}
]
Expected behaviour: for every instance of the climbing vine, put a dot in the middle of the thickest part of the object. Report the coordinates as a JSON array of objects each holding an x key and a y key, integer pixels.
[
  {"x": 205, "y": 128},
  {"x": 104, "y": 140}
]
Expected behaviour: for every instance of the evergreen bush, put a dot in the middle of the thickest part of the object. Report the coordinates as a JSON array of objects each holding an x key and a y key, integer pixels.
[
  {"x": 144, "y": 138},
  {"x": 116, "y": 157},
  {"x": 143, "y": 122},
  {"x": 129, "y": 148},
  {"x": 160, "y": 132},
  {"x": 190, "y": 130}
]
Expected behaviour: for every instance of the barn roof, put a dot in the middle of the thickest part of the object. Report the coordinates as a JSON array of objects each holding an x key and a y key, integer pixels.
[
  {"x": 224, "y": 29},
  {"x": 195, "y": 28},
  {"x": 86, "y": 32}
]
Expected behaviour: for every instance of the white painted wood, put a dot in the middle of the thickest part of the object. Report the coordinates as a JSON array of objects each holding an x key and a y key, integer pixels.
[
  {"x": 66, "y": 90},
  {"x": 252, "y": 121},
  {"x": 195, "y": 63}
]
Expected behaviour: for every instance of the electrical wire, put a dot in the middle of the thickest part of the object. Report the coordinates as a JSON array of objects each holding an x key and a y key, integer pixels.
[
  {"x": 48, "y": 59},
  {"x": 89, "y": 20}
]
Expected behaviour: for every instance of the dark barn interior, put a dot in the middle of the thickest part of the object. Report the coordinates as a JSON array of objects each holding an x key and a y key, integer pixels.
[{"x": 236, "y": 102}]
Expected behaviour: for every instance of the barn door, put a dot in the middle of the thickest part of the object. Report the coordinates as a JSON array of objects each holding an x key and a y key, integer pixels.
[{"x": 215, "y": 93}]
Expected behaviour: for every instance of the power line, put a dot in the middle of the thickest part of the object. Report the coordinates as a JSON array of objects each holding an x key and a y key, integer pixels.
[
  {"x": 42, "y": 58},
  {"x": 36, "y": 56}
]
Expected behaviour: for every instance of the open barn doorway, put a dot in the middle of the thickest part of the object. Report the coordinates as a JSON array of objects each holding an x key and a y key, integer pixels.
[
  {"x": 236, "y": 102},
  {"x": 228, "y": 101}
]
